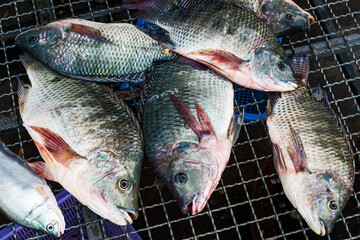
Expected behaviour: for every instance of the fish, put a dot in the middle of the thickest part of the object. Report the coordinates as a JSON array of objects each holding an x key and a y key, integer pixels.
[
  {"x": 90, "y": 140},
  {"x": 189, "y": 129},
  {"x": 229, "y": 39},
  {"x": 25, "y": 197},
  {"x": 282, "y": 16},
  {"x": 311, "y": 152},
  {"x": 93, "y": 51}
]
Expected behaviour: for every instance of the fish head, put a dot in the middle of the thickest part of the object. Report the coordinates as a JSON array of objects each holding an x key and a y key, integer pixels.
[
  {"x": 191, "y": 176},
  {"x": 111, "y": 190},
  {"x": 320, "y": 200},
  {"x": 47, "y": 216},
  {"x": 285, "y": 17},
  {"x": 272, "y": 72},
  {"x": 40, "y": 41}
]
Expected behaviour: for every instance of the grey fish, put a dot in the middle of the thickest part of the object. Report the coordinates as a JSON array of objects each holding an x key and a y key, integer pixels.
[
  {"x": 25, "y": 198},
  {"x": 311, "y": 153},
  {"x": 189, "y": 154},
  {"x": 93, "y": 51},
  {"x": 230, "y": 39},
  {"x": 90, "y": 141}
]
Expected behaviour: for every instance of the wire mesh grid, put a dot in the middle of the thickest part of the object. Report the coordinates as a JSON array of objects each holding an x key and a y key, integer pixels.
[{"x": 249, "y": 202}]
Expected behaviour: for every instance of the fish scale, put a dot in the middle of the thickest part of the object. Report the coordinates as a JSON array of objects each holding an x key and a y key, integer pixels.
[{"x": 318, "y": 130}]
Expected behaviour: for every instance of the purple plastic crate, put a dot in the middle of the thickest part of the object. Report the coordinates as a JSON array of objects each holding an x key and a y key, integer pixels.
[{"x": 71, "y": 208}]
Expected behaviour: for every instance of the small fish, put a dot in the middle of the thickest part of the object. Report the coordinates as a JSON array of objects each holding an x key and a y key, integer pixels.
[
  {"x": 229, "y": 39},
  {"x": 311, "y": 153},
  {"x": 93, "y": 51},
  {"x": 189, "y": 129},
  {"x": 90, "y": 141},
  {"x": 25, "y": 197},
  {"x": 282, "y": 16}
]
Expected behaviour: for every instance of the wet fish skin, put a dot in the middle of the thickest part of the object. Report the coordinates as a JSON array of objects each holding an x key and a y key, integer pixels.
[
  {"x": 25, "y": 197},
  {"x": 91, "y": 142},
  {"x": 311, "y": 154},
  {"x": 229, "y": 39},
  {"x": 91, "y": 50},
  {"x": 188, "y": 159}
]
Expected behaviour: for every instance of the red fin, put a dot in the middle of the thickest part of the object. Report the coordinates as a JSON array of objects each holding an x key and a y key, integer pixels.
[
  {"x": 300, "y": 65},
  {"x": 216, "y": 59},
  {"x": 296, "y": 152},
  {"x": 54, "y": 147},
  {"x": 278, "y": 158},
  {"x": 205, "y": 129},
  {"x": 42, "y": 169},
  {"x": 190, "y": 62},
  {"x": 88, "y": 31}
]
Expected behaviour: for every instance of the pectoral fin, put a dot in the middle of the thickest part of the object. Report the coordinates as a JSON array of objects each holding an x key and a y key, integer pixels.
[
  {"x": 296, "y": 152},
  {"x": 88, "y": 31},
  {"x": 235, "y": 127},
  {"x": 203, "y": 128},
  {"x": 53, "y": 148},
  {"x": 23, "y": 89},
  {"x": 43, "y": 170}
]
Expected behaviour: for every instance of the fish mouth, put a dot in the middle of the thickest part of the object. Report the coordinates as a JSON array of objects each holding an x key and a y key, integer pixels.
[
  {"x": 190, "y": 205},
  {"x": 129, "y": 215},
  {"x": 309, "y": 20},
  {"x": 279, "y": 87}
]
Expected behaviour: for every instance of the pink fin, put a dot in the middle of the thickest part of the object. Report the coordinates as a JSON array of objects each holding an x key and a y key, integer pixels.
[
  {"x": 296, "y": 152},
  {"x": 190, "y": 62},
  {"x": 89, "y": 32},
  {"x": 278, "y": 158},
  {"x": 54, "y": 147},
  {"x": 205, "y": 127},
  {"x": 42, "y": 169},
  {"x": 300, "y": 65}
]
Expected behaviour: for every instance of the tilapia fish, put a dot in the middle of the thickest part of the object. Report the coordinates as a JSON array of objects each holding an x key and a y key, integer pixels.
[
  {"x": 25, "y": 198},
  {"x": 189, "y": 153},
  {"x": 90, "y": 141},
  {"x": 93, "y": 51},
  {"x": 282, "y": 16},
  {"x": 229, "y": 39},
  {"x": 311, "y": 153}
]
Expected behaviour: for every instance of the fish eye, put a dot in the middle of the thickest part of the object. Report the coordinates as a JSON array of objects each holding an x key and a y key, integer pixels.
[
  {"x": 281, "y": 67},
  {"x": 33, "y": 39},
  {"x": 50, "y": 227},
  {"x": 290, "y": 17},
  {"x": 124, "y": 184},
  {"x": 181, "y": 178},
  {"x": 333, "y": 205}
]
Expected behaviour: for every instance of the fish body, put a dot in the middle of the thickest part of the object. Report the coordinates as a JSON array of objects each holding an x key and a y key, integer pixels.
[
  {"x": 91, "y": 50},
  {"x": 282, "y": 16},
  {"x": 311, "y": 153},
  {"x": 231, "y": 40},
  {"x": 90, "y": 141},
  {"x": 188, "y": 153},
  {"x": 25, "y": 198}
]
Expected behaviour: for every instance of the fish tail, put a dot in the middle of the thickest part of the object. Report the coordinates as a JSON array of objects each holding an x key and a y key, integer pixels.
[{"x": 300, "y": 65}]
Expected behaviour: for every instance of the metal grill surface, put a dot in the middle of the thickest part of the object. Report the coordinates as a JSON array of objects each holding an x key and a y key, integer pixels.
[{"x": 249, "y": 202}]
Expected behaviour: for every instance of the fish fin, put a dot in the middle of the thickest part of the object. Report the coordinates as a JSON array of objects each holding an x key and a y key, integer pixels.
[
  {"x": 43, "y": 170},
  {"x": 88, "y": 32},
  {"x": 235, "y": 127},
  {"x": 22, "y": 91},
  {"x": 135, "y": 77},
  {"x": 163, "y": 40},
  {"x": 205, "y": 128},
  {"x": 273, "y": 98},
  {"x": 149, "y": 9},
  {"x": 300, "y": 65},
  {"x": 278, "y": 158},
  {"x": 296, "y": 152},
  {"x": 54, "y": 147},
  {"x": 26, "y": 60},
  {"x": 127, "y": 109},
  {"x": 190, "y": 62}
]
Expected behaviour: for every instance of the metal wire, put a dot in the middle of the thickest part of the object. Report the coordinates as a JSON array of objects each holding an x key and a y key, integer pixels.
[{"x": 249, "y": 202}]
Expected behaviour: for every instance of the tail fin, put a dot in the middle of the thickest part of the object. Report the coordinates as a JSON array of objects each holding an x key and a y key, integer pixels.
[{"x": 300, "y": 65}]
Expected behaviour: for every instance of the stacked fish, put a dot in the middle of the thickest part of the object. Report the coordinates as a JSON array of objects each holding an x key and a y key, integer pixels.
[{"x": 92, "y": 143}]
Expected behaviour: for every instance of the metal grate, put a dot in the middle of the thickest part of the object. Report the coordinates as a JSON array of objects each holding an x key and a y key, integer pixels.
[{"x": 249, "y": 202}]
